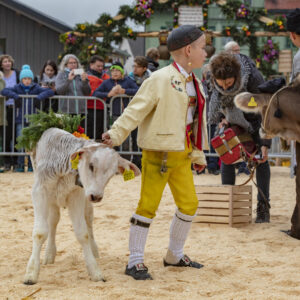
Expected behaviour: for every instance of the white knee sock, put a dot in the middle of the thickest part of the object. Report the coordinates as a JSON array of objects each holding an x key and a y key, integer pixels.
[
  {"x": 179, "y": 230},
  {"x": 137, "y": 241}
]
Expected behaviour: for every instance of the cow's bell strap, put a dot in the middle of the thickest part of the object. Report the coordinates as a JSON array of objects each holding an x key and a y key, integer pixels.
[{"x": 269, "y": 105}]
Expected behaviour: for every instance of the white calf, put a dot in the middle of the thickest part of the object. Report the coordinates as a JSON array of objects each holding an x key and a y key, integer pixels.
[{"x": 57, "y": 185}]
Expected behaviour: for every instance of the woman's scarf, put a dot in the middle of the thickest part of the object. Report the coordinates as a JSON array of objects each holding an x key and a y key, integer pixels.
[{"x": 221, "y": 101}]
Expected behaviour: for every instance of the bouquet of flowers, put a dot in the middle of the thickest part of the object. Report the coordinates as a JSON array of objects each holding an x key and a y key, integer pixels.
[
  {"x": 144, "y": 7},
  {"x": 270, "y": 51}
]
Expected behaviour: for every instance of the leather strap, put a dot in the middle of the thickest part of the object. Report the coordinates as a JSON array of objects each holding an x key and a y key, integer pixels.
[{"x": 137, "y": 222}]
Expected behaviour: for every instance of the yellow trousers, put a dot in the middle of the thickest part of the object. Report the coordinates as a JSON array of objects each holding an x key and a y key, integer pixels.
[{"x": 179, "y": 177}]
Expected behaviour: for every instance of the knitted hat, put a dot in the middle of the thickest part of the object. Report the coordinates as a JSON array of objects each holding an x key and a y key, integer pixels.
[
  {"x": 183, "y": 36},
  {"x": 117, "y": 65},
  {"x": 26, "y": 72},
  {"x": 293, "y": 21}
]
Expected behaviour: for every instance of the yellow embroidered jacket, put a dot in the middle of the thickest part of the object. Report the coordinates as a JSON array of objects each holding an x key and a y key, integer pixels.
[{"x": 159, "y": 109}]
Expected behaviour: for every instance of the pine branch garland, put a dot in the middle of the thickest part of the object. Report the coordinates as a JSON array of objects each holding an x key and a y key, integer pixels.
[{"x": 40, "y": 122}]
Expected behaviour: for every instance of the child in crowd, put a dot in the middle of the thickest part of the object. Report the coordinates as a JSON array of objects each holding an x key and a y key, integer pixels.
[{"x": 25, "y": 106}]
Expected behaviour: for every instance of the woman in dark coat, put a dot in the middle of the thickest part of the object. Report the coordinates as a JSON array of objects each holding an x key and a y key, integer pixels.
[{"x": 232, "y": 74}]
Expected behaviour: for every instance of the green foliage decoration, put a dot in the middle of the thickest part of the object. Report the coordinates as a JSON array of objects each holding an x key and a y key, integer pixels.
[
  {"x": 243, "y": 21},
  {"x": 40, "y": 122}
]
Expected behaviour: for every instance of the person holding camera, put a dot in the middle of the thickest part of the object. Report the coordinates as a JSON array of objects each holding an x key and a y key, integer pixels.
[{"x": 71, "y": 80}]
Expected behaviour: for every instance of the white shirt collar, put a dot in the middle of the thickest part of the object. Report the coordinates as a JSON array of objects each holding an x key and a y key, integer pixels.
[{"x": 183, "y": 71}]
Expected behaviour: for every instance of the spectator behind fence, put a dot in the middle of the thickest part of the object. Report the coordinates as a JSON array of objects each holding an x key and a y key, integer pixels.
[
  {"x": 232, "y": 74},
  {"x": 232, "y": 47},
  {"x": 27, "y": 105},
  {"x": 152, "y": 56},
  {"x": 96, "y": 75},
  {"x": 11, "y": 78},
  {"x": 118, "y": 84},
  {"x": 2, "y": 122},
  {"x": 140, "y": 70},
  {"x": 48, "y": 75},
  {"x": 139, "y": 74},
  {"x": 72, "y": 81},
  {"x": 47, "y": 79}
]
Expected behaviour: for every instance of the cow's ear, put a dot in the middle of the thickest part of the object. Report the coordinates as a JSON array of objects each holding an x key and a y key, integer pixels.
[
  {"x": 88, "y": 148},
  {"x": 124, "y": 164},
  {"x": 249, "y": 102}
]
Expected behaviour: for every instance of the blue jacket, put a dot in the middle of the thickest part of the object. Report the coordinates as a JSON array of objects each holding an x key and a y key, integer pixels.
[
  {"x": 126, "y": 83},
  {"x": 29, "y": 104}
]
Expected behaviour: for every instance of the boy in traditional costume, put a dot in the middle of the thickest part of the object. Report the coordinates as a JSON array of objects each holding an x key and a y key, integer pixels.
[{"x": 169, "y": 109}]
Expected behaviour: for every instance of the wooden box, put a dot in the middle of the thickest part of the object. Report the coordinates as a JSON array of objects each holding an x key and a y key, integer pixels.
[{"x": 224, "y": 204}]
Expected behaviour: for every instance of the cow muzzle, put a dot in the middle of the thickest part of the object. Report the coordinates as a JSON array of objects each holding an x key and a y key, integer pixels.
[{"x": 95, "y": 198}]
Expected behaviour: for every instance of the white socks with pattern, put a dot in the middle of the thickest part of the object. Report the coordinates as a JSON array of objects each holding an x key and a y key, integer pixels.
[
  {"x": 179, "y": 230},
  {"x": 137, "y": 241}
]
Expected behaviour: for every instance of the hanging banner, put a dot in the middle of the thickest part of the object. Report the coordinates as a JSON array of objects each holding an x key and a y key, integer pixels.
[{"x": 190, "y": 15}]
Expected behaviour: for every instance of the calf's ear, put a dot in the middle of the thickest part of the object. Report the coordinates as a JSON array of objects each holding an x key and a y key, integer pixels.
[
  {"x": 249, "y": 102},
  {"x": 124, "y": 164},
  {"x": 91, "y": 147}
]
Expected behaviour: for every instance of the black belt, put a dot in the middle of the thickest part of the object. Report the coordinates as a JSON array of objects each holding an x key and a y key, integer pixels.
[{"x": 137, "y": 222}]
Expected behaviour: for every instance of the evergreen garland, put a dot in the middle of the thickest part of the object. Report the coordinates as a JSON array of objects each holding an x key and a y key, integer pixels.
[
  {"x": 246, "y": 20},
  {"x": 40, "y": 122}
]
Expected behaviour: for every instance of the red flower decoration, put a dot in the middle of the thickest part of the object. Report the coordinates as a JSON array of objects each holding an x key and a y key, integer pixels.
[{"x": 80, "y": 129}]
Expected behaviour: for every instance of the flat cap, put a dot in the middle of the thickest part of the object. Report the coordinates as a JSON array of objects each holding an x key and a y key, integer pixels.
[
  {"x": 183, "y": 36},
  {"x": 293, "y": 21}
]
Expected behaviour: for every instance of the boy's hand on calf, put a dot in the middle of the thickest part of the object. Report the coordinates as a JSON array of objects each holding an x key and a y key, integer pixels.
[
  {"x": 106, "y": 139},
  {"x": 198, "y": 168}
]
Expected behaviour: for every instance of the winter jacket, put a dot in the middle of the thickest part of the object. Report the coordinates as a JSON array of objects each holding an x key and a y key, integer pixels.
[
  {"x": 75, "y": 87},
  {"x": 126, "y": 83},
  {"x": 296, "y": 66},
  {"x": 160, "y": 110},
  {"x": 29, "y": 104},
  {"x": 152, "y": 65},
  {"x": 139, "y": 80}
]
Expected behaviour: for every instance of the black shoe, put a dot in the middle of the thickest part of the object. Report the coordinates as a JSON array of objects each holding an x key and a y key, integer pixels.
[
  {"x": 138, "y": 272},
  {"x": 214, "y": 171},
  {"x": 185, "y": 262},
  {"x": 262, "y": 213}
]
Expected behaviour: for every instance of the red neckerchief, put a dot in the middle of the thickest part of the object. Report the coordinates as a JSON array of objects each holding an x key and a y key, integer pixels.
[{"x": 200, "y": 105}]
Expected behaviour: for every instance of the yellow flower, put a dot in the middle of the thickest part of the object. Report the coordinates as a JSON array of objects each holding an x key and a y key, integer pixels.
[
  {"x": 109, "y": 22},
  {"x": 93, "y": 51},
  {"x": 129, "y": 30},
  {"x": 82, "y": 26},
  {"x": 203, "y": 28},
  {"x": 269, "y": 23},
  {"x": 279, "y": 23}
]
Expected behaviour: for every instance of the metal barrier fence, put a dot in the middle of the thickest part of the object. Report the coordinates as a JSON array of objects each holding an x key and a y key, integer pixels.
[{"x": 12, "y": 120}]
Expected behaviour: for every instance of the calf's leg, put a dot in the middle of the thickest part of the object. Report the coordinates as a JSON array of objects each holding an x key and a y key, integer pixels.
[
  {"x": 39, "y": 234},
  {"x": 53, "y": 218},
  {"x": 76, "y": 205},
  {"x": 89, "y": 218}
]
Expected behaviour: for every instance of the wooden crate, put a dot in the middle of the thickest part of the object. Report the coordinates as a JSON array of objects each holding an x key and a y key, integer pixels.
[{"x": 224, "y": 204}]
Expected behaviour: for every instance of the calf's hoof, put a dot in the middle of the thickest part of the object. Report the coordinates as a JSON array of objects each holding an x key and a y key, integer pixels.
[
  {"x": 98, "y": 277},
  {"x": 29, "y": 282}
]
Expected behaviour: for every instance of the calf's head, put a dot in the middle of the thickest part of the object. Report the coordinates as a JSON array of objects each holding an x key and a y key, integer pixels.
[
  {"x": 97, "y": 164},
  {"x": 254, "y": 103}
]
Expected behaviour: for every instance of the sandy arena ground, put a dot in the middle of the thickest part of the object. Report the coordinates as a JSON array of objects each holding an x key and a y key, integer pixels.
[{"x": 254, "y": 262}]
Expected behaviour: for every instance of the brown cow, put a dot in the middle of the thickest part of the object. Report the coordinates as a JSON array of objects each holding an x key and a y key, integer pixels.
[
  {"x": 287, "y": 99},
  {"x": 285, "y": 103}
]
